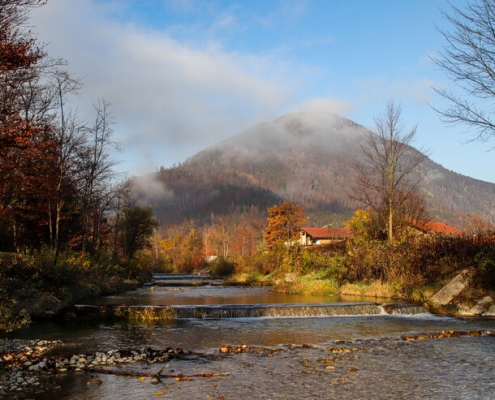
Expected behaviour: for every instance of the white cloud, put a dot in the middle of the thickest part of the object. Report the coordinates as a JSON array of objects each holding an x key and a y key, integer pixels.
[
  {"x": 326, "y": 106},
  {"x": 150, "y": 191},
  {"x": 168, "y": 98}
]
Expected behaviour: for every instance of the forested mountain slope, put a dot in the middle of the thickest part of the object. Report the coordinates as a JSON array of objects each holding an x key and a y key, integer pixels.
[{"x": 305, "y": 158}]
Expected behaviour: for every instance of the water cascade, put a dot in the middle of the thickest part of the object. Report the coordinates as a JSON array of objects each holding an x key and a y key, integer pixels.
[
  {"x": 240, "y": 311},
  {"x": 404, "y": 309}
]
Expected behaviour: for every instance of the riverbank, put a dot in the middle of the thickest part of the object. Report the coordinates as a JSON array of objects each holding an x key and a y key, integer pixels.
[
  {"x": 457, "y": 296},
  {"x": 33, "y": 288}
]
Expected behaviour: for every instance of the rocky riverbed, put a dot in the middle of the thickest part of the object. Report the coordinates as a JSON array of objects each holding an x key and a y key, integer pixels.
[
  {"x": 24, "y": 363},
  {"x": 38, "y": 368}
]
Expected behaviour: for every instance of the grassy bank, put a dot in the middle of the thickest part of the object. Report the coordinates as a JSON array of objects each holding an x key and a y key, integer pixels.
[
  {"x": 412, "y": 269},
  {"x": 32, "y": 286}
]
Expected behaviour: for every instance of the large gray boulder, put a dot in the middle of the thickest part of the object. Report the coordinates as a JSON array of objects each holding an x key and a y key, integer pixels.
[
  {"x": 482, "y": 306},
  {"x": 446, "y": 294},
  {"x": 490, "y": 312}
]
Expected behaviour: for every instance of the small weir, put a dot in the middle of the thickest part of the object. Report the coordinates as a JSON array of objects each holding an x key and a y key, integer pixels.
[
  {"x": 404, "y": 309},
  {"x": 241, "y": 311},
  {"x": 182, "y": 280}
]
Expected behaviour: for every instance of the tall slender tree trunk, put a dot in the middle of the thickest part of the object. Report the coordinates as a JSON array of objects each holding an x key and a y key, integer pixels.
[{"x": 50, "y": 223}]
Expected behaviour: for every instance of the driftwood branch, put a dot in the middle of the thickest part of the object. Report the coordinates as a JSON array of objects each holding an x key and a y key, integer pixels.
[{"x": 159, "y": 374}]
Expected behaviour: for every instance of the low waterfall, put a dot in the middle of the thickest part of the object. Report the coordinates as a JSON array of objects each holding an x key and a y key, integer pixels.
[
  {"x": 275, "y": 310},
  {"x": 404, "y": 309},
  {"x": 241, "y": 311}
]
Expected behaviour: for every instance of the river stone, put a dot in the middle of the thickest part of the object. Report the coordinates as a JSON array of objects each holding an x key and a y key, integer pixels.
[
  {"x": 445, "y": 295},
  {"x": 482, "y": 306},
  {"x": 41, "y": 365},
  {"x": 464, "y": 311},
  {"x": 490, "y": 312}
]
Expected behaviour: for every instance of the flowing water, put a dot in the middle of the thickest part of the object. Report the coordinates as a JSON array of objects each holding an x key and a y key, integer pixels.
[{"x": 356, "y": 355}]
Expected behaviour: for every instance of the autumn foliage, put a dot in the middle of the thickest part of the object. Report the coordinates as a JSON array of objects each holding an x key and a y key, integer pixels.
[
  {"x": 63, "y": 217},
  {"x": 284, "y": 223}
]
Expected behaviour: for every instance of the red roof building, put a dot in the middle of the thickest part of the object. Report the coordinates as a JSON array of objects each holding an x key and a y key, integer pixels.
[
  {"x": 312, "y": 236},
  {"x": 438, "y": 228}
]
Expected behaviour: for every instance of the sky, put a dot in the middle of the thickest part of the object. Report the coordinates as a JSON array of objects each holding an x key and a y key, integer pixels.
[{"x": 182, "y": 75}]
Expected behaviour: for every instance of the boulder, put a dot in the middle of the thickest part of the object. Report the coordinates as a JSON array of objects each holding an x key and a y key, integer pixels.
[
  {"x": 445, "y": 295},
  {"x": 482, "y": 306},
  {"x": 464, "y": 311},
  {"x": 490, "y": 312}
]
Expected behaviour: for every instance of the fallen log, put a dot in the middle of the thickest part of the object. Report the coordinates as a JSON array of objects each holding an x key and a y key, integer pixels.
[{"x": 159, "y": 375}]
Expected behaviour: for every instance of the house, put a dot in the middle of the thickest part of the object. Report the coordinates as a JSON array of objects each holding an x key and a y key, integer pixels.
[
  {"x": 437, "y": 228},
  {"x": 312, "y": 236}
]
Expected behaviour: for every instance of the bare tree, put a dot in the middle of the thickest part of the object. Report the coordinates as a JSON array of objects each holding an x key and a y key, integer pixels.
[
  {"x": 384, "y": 174},
  {"x": 478, "y": 225},
  {"x": 97, "y": 173},
  {"x": 68, "y": 134},
  {"x": 468, "y": 59}
]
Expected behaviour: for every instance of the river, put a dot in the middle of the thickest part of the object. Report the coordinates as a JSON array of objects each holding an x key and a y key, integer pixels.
[{"x": 354, "y": 356}]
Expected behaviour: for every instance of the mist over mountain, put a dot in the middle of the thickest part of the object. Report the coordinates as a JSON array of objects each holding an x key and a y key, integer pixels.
[{"x": 303, "y": 157}]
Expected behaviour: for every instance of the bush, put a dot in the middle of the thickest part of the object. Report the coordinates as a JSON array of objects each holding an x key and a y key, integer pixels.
[
  {"x": 222, "y": 267},
  {"x": 485, "y": 268},
  {"x": 416, "y": 261},
  {"x": 28, "y": 279},
  {"x": 14, "y": 272}
]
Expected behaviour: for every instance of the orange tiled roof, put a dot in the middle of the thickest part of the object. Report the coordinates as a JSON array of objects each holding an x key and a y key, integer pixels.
[{"x": 437, "y": 227}]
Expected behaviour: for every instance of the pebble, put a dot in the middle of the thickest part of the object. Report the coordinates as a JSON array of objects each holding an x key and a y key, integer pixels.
[{"x": 24, "y": 361}]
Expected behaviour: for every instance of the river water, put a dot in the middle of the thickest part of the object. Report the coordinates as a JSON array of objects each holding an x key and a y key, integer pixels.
[{"x": 371, "y": 360}]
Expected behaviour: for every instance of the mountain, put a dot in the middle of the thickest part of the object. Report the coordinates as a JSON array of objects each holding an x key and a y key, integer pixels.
[{"x": 305, "y": 158}]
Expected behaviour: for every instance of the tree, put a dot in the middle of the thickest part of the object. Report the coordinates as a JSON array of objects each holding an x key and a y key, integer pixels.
[
  {"x": 136, "y": 226},
  {"x": 97, "y": 175},
  {"x": 68, "y": 135},
  {"x": 468, "y": 60},
  {"x": 284, "y": 223},
  {"x": 25, "y": 145},
  {"x": 383, "y": 176},
  {"x": 478, "y": 225}
]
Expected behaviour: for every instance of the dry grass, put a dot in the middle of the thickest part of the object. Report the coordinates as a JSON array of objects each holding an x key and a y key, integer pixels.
[
  {"x": 311, "y": 284},
  {"x": 374, "y": 289}
]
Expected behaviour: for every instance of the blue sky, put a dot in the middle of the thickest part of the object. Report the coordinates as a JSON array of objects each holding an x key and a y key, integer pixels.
[{"x": 182, "y": 75}]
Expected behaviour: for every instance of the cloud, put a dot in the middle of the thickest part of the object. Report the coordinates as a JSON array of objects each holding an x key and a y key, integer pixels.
[
  {"x": 326, "y": 106},
  {"x": 434, "y": 174},
  {"x": 169, "y": 98},
  {"x": 151, "y": 191},
  {"x": 320, "y": 113},
  {"x": 294, "y": 8}
]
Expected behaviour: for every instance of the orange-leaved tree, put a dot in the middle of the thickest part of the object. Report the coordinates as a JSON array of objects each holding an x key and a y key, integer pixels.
[{"x": 284, "y": 223}]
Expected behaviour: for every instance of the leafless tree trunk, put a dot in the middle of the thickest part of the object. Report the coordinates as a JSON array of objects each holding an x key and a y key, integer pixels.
[
  {"x": 98, "y": 174},
  {"x": 69, "y": 136}
]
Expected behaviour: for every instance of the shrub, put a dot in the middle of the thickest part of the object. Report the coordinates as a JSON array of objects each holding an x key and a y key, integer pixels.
[
  {"x": 222, "y": 267},
  {"x": 485, "y": 268}
]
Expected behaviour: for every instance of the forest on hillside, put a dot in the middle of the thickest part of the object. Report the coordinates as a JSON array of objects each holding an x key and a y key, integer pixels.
[{"x": 311, "y": 165}]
